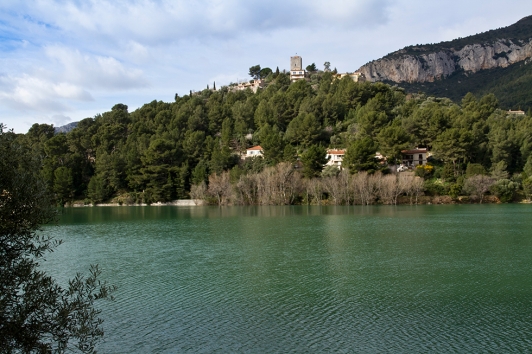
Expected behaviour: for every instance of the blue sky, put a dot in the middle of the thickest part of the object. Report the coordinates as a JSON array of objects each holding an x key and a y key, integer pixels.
[{"x": 62, "y": 61}]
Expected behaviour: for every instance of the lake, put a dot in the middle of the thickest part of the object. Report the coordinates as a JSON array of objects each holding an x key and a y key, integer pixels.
[{"x": 307, "y": 279}]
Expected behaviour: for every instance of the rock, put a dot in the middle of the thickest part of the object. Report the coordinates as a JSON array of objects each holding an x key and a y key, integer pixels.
[{"x": 434, "y": 66}]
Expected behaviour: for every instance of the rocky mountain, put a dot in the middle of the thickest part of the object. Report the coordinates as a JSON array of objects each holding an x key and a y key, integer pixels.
[
  {"x": 434, "y": 66},
  {"x": 481, "y": 63},
  {"x": 427, "y": 63},
  {"x": 66, "y": 128}
]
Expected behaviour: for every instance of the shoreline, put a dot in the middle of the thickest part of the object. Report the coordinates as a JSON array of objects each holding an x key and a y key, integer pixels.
[
  {"x": 423, "y": 200},
  {"x": 179, "y": 202}
]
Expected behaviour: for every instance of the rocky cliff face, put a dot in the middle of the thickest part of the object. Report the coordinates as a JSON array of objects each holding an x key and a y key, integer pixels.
[{"x": 399, "y": 67}]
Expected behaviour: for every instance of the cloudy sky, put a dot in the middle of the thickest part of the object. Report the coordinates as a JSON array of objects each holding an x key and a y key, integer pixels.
[{"x": 62, "y": 61}]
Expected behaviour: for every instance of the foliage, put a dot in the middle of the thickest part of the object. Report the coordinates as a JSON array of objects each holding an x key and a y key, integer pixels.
[
  {"x": 254, "y": 71},
  {"x": 424, "y": 171},
  {"x": 360, "y": 156},
  {"x": 312, "y": 67},
  {"x": 474, "y": 169},
  {"x": 527, "y": 188},
  {"x": 505, "y": 190},
  {"x": 159, "y": 150},
  {"x": 477, "y": 186},
  {"x": 313, "y": 160},
  {"x": 36, "y": 313},
  {"x": 435, "y": 187}
]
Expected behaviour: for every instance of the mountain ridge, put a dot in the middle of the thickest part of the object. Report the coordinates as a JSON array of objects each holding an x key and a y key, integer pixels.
[
  {"x": 497, "y": 61},
  {"x": 427, "y": 63}
]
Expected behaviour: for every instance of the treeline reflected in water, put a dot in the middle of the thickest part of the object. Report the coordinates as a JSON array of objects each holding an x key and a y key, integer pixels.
[{"x": 146, "y": 213}]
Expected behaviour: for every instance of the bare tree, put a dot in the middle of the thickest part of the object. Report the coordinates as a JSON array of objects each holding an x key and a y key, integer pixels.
[
  {"x": 389, "y": 189},
  {"x": 263, "y": 186},
  {"x": 477, "y": 186},
  {"x": 374, "y": 186},
  {"x": 344, "y": 180},
  {"x": 414, "y": 186},
  {"x": 246, "y": 188},
  {"x": 332, "y": 187},
  {"x": 198, "y": 192},
  {"x": 285, "y": 183},
  {"x": 294, "y": 185},
  {"x": 316, "y": 189},
  {"x": 360, "y": 188},
  {"x": 220, "y": 187}
]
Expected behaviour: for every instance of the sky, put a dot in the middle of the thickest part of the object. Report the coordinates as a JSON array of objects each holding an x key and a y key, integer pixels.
[{"x": 62, "y": 61}]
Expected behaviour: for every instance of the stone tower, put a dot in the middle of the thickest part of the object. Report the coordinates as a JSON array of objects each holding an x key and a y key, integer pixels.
[
  {"x": 296, "y": 63},
  {"x": 296, "y": 69}
]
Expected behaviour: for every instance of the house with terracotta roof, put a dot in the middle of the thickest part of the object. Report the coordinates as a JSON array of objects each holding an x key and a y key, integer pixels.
[
  {"x": 335, "y": 157},
  {"x": 414, "y": 157},
  {"x": 254, "y": 152}
]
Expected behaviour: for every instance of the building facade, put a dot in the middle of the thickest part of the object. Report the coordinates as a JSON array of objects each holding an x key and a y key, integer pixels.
[
  {"x": 296, "y": 69},
  {"x": 414, "y": 157},
  {"x": 356, "y": 76},
  {"x": 254, "y": 152},
  {"x": 253, "y": 85},
  {"x": 335, "y": 157}
]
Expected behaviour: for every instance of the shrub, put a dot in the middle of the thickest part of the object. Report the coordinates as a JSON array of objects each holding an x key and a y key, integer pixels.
[
  {"x": 455, "y": 190},
  {"x": 505, "y": 190},
  {"x": 527, "y": 187},
  {"x": 424, "y": 171},
  {"x": 435, "y": 187},
  {"x": 475, "y": 169}
]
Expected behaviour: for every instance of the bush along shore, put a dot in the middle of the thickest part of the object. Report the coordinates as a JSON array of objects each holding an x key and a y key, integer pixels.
[{"x": 283, "y": 185}]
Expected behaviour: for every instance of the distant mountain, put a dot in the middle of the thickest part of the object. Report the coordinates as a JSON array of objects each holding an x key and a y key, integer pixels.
[
  {"x": 497, "y": 61},
  {"x": 66, "y": 128}
]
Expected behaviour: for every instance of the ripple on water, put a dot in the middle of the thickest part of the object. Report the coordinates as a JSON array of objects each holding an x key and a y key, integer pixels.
[{"x": 290, "y": 280}]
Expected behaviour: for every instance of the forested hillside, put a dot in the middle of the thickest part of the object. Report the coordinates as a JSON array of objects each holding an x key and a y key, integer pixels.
[
  {"x": 162, "y": 150},
  {"x": 512, "y": 85}
]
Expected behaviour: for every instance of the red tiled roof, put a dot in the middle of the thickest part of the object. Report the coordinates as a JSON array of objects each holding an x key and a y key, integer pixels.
[
  {"x": 414, "y": 151},
  {"x": 254, "y": 148},
  {"x": 336, "y": 152}
]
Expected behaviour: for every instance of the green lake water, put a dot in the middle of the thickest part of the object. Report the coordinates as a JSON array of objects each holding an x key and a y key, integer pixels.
[{"x": 298, "y": 279}]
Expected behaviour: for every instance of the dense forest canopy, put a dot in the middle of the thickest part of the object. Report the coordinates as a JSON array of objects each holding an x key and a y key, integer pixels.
[{"x": 159, "y": 151}]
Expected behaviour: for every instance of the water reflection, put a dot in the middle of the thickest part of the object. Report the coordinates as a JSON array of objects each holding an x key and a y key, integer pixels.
[{"x": 307, "y": 278}]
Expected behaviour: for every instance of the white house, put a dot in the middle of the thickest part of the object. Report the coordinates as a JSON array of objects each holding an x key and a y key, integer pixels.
[
  {"x": 254, "y": 151},
  {"x": 414, "y": 157},
  {"x": 335, "y": 157}
]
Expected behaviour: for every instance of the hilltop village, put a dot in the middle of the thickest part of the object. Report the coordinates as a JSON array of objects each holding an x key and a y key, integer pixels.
[{"x": 299, "y": 136}]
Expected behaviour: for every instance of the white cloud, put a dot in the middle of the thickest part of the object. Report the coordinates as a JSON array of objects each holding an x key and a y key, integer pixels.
[
  {"x": 32, "y": 93},
  {"x": 95, "y": 71},
  {"x": 75, "y": 58},
  {"x": 168, "y": 21},
  {"x": 60, "y": 119}
]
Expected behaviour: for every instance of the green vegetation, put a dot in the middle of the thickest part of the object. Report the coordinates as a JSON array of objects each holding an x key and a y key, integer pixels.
[
  {"x": 167, "y": 151},
  {"x": 37, "y": 315},
  {"x": 512, "y": 86}
]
